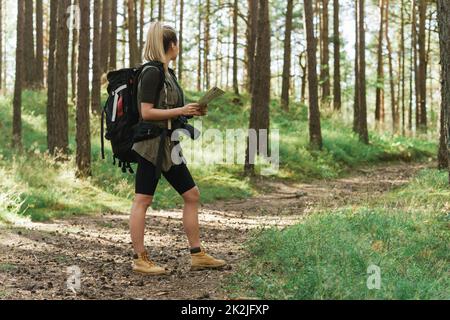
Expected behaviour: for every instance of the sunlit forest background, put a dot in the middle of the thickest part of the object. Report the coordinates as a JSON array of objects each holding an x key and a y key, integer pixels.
[{"x": 208, "y": 43}]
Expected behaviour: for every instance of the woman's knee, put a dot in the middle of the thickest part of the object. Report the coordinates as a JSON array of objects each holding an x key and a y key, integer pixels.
[
  {"x": 143, "y": 200},
  {"x": 192, "y": 196}
]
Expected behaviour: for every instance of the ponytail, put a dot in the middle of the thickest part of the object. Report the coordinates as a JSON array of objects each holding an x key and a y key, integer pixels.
[{"x": 159, "y": 39}]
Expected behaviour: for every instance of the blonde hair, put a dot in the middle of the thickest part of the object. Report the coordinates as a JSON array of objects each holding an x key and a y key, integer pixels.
[{"x": 159, "y": 39}]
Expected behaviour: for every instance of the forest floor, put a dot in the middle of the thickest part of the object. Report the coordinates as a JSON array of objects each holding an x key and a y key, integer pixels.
[{"x": 34, "y": 257}]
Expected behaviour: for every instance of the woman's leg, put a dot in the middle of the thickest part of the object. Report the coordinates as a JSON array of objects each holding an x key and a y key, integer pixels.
[
  {"x": 145, "y": 188},
  {"x": 190, "y": 216},
  {"x": 180, "y": 178},
  {"x": 137, "y": 221}
]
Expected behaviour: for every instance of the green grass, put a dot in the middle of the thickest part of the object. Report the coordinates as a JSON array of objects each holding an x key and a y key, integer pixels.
[
  {"x": 406, "y": 234},
  {"x": 33, "y": 184},
  {"x": 5, "y": 267}
]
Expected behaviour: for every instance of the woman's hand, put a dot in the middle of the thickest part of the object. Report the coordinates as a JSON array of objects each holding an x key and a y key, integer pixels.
[
  {"x": 204, "y": 110},
  {"x": 191, "y": 109}
]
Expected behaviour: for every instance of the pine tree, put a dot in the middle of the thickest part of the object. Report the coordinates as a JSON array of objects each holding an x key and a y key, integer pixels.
[
  {"x": 83, "y": 140},
  {"x": 315, "y": 132}
]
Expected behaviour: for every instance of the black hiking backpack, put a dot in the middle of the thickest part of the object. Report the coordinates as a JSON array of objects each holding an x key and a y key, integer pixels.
[{"x": 122, "y": 115}]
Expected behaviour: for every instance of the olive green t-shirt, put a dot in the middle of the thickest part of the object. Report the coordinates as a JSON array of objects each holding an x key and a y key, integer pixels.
[{"x": 171, "y": 96}]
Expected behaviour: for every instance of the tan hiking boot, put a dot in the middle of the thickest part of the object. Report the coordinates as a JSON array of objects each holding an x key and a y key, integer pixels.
[
  {"x": 142, "y": 264},
  {"x": 202, "y": 260}
]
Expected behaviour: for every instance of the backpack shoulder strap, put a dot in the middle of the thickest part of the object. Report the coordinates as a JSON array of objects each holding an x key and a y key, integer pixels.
[{"x": 144, "y": 68}]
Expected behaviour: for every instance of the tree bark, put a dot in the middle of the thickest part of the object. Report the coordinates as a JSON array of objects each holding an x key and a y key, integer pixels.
[
  {"x": 152, "y": 9},
  {"x": 315, "y": 133},
  {"x": 325, "y": 62},
  {"x": 356, "y": 94},
  {"x": 1, "y": 45},
  {"x": 30, "y": 63},
  {"x": 51, "y": 74},
  {"x": 401, "y": 93},
  {"x": 39, "y": 79},
  {"x": 74, "y": 58},
  {"x": 141, "y": 25},
  {"x": 83, "y": 139},
  {"x": 379, "y": 95},
  {"x": 363, "y": 132},
  {"x": 105, "y": 35},
  {"x": 206, "y": 44},
  {"x": 337, "y": 95},
  {"x": 113, "y": 37},
  {"x": 422, "y": 66},
  {"x": 391, "y": 73},
  {"x": 259, "y": 113},
  {"x": 303, "y": 67},
  {"x": 161, "y": 10},
  {"x": 287, "y": 57},
  {"x": 180, "y": 43},
  {"x": 235, "y": 47},
  {"x": 132, "y": 35},
  {"x": 199, "y": 41},
  {"x": 61, "y": 124},
  {"x": 17, "y": 100},
  {"x": 96, "y": 67},
  {"x": 414, "y": 62},
  {"x": 252, "y": 27},
  {"x": 443, "y": 13}
]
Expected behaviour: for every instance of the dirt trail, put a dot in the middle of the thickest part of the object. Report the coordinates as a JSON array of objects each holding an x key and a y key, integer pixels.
[{"x": 34, "y": 256}]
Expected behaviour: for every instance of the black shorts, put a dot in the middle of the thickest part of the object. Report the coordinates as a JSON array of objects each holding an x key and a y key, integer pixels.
[{"x": 178, "y": 176}]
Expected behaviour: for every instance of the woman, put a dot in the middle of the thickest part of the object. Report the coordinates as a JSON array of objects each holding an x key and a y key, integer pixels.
[{"x": 162, "y": 46}]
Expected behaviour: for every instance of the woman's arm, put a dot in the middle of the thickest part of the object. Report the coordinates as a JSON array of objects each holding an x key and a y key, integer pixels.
[{"x": 148, "y": 112}]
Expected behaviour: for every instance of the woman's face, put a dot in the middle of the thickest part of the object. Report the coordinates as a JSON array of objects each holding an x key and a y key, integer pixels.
[{"x": 174, "y": 51}]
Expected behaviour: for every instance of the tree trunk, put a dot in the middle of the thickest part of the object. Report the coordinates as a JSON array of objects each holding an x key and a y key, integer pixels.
[
  {"x": 206, "y": 44},
  {"x": 443, "y": 163},
  {"x": 141, "y": 25},
  {"x": 402, "y": 73},
  {"x": 30, "y": 63},
  {"x": 161, "y": 10},
  {"x": 391, "y": 73},
  {"x": 414, "y": 62},
  {"x": 199, "y": 41},
  {"x": 74, "y": 58},
  {"x": 17, "y": 101},
  {"x": 422, "y": 66},
  {"x": 443, "y": 13},
  {"x": 105, "y": 35},
  {"x": 325, "y": 62},
  {"x": 252, "y": 25},
  {"x": 337, "y": 95},
  {"x": 1, "y": 45},
  {"x": 259, "y": 113},
  {"x": 356, "y": 95},
  {"x": 287, "y": 57},
  {"x": 363, "y": 133},
  {"x": 379, "y": 95},
  {"x": 315, "y": 133},
  {"x": 303, "y": 66},
  {"x": 39, "y": 79},
  {"x": 113, "y": 37},
  {"x": 133, "y": 43},
  {"x": 428, "y": 67},
  {"x": 96, "y": 67},
  {"x": 235, "y": 47},
  {"x": 180, "y": 43},
  {"x": 51, "y": 74},
  {"x": 152, "y": 9},
  {"x": 83, "y": 139},
  {"x": 61, "y": 124}
]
